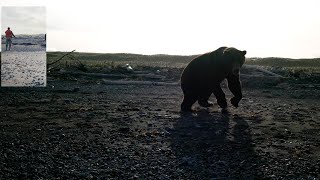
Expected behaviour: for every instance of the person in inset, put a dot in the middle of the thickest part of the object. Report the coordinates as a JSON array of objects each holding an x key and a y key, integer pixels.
[{"x": 9, "y": 35}]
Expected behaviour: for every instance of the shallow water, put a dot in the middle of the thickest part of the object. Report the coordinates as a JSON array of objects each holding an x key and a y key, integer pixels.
[{"x": 26, "y": 43}]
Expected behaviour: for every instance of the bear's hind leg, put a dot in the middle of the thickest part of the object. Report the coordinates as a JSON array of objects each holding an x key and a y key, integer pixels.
[
  {"x": 203, "y": 99},
  {"x": 188, "y": 100}
]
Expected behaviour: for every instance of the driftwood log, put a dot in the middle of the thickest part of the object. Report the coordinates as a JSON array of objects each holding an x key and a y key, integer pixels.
[
  {"x": 114, "y": 76},
  {"x": 122, "y": 82},
  {"x": 262, "y": 70},
  {"x": 49, "y": 64},
  {"x": 149, "y": 78}
]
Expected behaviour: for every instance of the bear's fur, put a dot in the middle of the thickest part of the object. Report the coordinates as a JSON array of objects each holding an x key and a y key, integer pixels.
[{"x": 203, "y": 76}]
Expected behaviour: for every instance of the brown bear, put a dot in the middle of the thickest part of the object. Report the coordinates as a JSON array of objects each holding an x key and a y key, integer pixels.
[{"x": 203, "y": 76}]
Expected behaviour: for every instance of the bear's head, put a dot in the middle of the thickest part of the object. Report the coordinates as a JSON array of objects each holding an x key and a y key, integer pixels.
[{"x": 235, "y": 59}]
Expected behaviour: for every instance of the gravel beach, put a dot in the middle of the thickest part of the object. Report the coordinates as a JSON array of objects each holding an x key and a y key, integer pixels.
[{"x": 83, "y": 129}]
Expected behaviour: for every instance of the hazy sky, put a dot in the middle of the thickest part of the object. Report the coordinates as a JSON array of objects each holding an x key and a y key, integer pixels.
[
  {"x": 265, "y": 28},
  {"x": 23, "y": 20}
]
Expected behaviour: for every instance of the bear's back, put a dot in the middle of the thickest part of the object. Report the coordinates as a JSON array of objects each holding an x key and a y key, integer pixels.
[{"x": 203, "y": 64}]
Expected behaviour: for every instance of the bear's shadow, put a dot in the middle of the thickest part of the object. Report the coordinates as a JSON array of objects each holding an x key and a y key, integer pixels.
[{"x": 214, "y": 145}]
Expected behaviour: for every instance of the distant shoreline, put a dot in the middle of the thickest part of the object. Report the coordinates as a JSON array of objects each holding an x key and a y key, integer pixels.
[{"x": 27, "y": 43}]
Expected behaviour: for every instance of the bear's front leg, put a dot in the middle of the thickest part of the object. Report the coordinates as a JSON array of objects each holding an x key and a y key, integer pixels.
[
  {"x": 220, "y": 96},
  {"x": 234, "y": 85}
]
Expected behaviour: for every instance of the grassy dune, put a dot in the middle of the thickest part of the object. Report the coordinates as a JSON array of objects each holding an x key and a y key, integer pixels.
[
  {"x": 105, "y": 60},
  {"x": 292, "y": 65},
  {"x": 97, "y": 60}
]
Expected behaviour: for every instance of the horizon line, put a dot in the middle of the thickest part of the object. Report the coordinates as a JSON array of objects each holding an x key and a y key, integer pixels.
[{"x": 161, "y": 54}]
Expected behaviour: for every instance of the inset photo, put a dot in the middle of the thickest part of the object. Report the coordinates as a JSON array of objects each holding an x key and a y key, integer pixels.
[{"x": 23, "y": 46}]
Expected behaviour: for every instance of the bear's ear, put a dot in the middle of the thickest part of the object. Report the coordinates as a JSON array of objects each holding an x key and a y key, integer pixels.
[
  {"x": 244, "y": 52},
  {"x": 226, "y": 51}
]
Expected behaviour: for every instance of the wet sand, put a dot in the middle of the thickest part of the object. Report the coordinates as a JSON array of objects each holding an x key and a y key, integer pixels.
[{"x": 23, "y": 68}]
